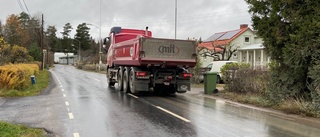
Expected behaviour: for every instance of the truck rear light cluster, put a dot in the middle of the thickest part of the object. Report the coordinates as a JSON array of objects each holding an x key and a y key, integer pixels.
[
  {"x": 187, "y": 75},
  {"x": 142, "y": 75}
]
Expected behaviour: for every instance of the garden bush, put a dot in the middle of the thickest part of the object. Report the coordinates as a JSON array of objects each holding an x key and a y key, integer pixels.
[{"x": 242, "y": 78}]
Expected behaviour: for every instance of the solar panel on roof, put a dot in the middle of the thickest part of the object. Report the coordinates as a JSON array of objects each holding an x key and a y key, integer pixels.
[
  {"x": 214, "y": 37},
  {"x": 229, "y": 34}
]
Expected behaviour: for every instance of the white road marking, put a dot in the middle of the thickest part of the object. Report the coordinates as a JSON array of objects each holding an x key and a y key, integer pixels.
[
  {"x": 67, "y": 103},
  {"x": 132, "y": 95},
  {"x": 61, "y": 86},
  {"x": 62, "y": 89},
  {"x": 68, "y": 109},
  {"x": 173, "y": 114},
  {"x": 76, "y": 135},
  {"x": 96, "y": 79},
  {"x": 64, "y": 95},
  {"x": 70, "y": 116}
]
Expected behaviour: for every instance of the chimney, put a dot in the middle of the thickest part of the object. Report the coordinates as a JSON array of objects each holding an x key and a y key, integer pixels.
[{"x": 242, "y": 26}]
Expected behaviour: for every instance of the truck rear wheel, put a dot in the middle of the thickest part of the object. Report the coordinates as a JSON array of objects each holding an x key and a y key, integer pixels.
[
  {"x": 109, "y": 80},
  {"x": 126, "y": 81},
  {"x": 131, "y": 81},
  {"x": 120, "y": 79}
]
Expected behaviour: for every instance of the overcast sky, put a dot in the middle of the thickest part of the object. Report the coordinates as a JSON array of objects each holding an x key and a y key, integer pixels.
[{"x": 196, "y": 18}]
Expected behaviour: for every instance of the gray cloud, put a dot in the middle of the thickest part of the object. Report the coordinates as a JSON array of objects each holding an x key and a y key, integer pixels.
[{"x": 196, "y": 18}]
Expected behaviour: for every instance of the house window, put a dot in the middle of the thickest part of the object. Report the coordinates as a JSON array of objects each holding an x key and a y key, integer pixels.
[{"x": 247, "y": 39}]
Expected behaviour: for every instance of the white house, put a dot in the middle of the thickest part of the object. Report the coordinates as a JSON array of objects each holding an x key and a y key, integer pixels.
[{"x": 243, "y": 42}]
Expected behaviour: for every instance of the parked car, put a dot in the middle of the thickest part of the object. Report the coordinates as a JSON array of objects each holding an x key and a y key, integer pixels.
[{"x": 215, "y": 66}]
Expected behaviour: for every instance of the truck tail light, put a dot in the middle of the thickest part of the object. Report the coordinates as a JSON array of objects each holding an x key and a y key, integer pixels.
[
  {"x": 141, "y": 74},
  {"x": 187, "y": 75}
]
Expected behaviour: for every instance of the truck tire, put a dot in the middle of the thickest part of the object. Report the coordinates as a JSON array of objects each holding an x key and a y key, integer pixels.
[
  {"x": 126, "y": 88},
  {"x": 131, "y": 81},
  {"x": 120, "y": 79},
  {"x": 109, "y": 80}
]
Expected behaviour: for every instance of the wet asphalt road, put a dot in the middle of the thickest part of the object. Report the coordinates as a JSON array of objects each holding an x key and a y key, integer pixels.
[{"x": 79, "y": 103}]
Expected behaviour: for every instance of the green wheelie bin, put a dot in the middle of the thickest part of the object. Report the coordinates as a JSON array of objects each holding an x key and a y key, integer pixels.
[{"x": 210, "y": 82}]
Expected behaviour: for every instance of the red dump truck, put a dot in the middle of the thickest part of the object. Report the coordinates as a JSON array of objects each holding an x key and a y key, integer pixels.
[{"x": 138, "y": 62}]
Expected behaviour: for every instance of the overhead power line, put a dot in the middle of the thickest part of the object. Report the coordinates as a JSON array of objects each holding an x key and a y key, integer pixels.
[
  {"x": 20, "y": 5},
  {"x": 23, "y": 6},
  {"x": 26, "y": 7}
]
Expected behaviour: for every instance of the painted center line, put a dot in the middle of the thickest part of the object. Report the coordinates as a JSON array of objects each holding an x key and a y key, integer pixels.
[
  {"x": 76, "y": 135},
  {"x": 61, "y": 86},
  {"x": 132, "y": 95},
  {"x": 64, "y": 95},
  {"x": 173, "y": 114},
  {"x": 67, "y": 103},
  {"x": 70, "y": 116},
  {"x": 62, "y": 89}
]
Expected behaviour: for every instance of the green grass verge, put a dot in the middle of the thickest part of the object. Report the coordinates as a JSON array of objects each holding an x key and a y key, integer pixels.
[
  {"x": 201, "y": 85},
  {"x": 289, "y": 106},
  {"x": 42, "y": 81},
  {"x": 11, "y": 130}
]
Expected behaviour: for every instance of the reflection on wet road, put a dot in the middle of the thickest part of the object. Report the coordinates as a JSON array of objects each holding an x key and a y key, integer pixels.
[{"x": 91, "y": 109}]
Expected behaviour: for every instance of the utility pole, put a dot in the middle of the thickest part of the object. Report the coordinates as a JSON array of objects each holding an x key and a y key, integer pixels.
[
  {"x": 100, "y": 41},
  {"x": 42, "y": 37},
  {"x": 48, "y": 51},
  {"x": 175, "y": 21}
]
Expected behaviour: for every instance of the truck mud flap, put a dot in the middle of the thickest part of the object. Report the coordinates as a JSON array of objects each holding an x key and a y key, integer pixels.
[
  {"x": 141, "y": 85},
  {"x": 183, "y": 86}
]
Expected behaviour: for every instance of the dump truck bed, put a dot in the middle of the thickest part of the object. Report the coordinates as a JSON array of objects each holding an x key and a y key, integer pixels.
[{"x": 155, "y": 51}]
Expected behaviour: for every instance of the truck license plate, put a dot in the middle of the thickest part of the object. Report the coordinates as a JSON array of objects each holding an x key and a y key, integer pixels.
[{"x": 166, "y": 83}]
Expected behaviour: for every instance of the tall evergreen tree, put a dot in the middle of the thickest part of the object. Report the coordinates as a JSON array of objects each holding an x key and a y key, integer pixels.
[
  {"x": 66, "y": 41},
  {"x": 83, "y": 36},
  {"x": 52, "y": 37},
  {"x": 291, "y": 30}
]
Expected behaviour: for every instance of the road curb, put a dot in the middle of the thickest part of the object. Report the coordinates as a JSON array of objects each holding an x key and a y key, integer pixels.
[{"x": 309, "y": 121}]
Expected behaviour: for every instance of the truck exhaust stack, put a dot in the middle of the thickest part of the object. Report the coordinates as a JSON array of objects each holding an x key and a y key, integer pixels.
[{"x": 147, "y": 31}]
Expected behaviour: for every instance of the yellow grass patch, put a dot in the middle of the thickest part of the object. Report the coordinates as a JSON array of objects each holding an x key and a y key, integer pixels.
[{"x": 17, "y": 76}]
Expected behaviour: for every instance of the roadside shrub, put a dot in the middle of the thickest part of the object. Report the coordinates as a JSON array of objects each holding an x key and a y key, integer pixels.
[
  {"x": 298, "y": 106},
  {"x": 314, "y": 88},
  {"x": 241, "y": 78},
  {"x": 91, "y": 67},
  {"x": 197, "y": 72},
  {"x": 17, "y": 76}
]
